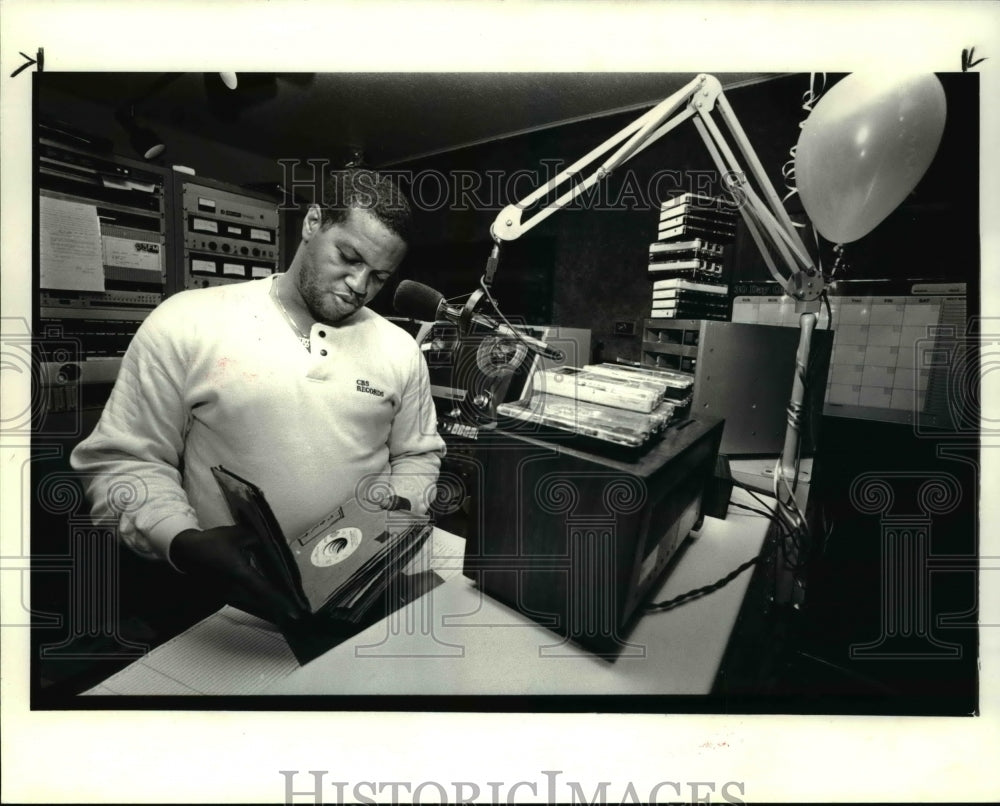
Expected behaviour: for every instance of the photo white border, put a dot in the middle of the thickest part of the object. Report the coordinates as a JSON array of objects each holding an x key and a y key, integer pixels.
[{"x": 196, "y": 756}]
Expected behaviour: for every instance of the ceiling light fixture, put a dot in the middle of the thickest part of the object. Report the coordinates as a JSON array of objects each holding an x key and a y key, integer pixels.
[{"x": 143, "y": 140}]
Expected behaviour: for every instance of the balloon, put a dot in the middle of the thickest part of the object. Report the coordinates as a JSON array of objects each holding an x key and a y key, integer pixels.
[{"x": 865, "y": 146}]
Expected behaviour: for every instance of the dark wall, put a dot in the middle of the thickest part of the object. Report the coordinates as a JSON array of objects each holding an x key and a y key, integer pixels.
[{"x": 206, "y": 157}]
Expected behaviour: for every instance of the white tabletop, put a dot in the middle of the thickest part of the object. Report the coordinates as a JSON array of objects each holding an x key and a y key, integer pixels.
[{"x": 457, "y": 641}]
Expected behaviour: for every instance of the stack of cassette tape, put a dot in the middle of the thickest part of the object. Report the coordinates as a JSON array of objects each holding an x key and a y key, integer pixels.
[
  {"x": 624, "y": 405},
  {"x": 686, "y": 262}
]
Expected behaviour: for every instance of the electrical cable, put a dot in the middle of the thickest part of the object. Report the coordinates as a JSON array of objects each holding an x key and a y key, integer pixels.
[
  {"x": 787, "y": 533},
  {"x": 705, "y": 590},
  {"x": 753, "y": 492},
  {"x": 698, "y": 593},
  {"x": 763, "y": 512},
  {"x": 493, "y": 302},
  {"x": 497, "y": 311},
  {"x": 829, "y": 311},
  {"x": 771, "y": 514},
  {"x": 458, "y": 298},
  {"x": 798, "y": 533}
]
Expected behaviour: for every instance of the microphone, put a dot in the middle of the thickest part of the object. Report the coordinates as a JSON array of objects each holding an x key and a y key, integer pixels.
[{"x": 419, "y": 301}]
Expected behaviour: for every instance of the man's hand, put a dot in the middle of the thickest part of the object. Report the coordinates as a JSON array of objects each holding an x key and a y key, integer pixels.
[
  {"x": 393, "y": 502},
  {"x": 228, "y": 560}
]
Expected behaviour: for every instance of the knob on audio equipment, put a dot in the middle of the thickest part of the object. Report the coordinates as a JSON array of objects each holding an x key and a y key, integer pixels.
[{"x": 68, "y": 373}]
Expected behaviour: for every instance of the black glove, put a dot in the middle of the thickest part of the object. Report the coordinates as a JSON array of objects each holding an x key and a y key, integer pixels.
[
  {"x": 232, "y": 564},
  {"x": 394, "y": 502}
]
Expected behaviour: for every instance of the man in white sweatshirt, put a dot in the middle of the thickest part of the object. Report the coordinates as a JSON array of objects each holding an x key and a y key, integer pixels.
[{"x": 289, "y": 381}]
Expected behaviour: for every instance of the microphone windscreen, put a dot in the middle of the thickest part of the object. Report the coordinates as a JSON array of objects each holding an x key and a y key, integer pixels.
[{"x": 417, "y": 301}]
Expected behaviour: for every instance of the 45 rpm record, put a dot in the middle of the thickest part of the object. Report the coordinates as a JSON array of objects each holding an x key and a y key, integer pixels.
[{"x": 336, "y": 547}]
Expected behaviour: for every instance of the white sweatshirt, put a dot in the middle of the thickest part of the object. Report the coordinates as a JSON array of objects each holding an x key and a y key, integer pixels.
[{"x": 217, "y": 377}]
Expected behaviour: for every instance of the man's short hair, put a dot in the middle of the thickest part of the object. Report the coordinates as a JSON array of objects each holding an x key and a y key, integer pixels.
[{"x": 365, "y": 189}]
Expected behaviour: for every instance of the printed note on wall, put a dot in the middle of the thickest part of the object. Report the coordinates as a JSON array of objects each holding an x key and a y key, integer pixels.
[{"x": 69, "y": 250}]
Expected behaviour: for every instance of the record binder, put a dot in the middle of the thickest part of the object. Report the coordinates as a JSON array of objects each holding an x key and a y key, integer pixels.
[{"x": 337, "y": 570}]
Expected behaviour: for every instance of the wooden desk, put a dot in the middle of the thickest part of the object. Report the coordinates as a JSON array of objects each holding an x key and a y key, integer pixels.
[{"x": 456, "y": 641}]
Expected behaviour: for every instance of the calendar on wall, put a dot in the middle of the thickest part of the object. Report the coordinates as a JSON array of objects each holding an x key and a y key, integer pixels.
[{"x": 898, "y": 348}]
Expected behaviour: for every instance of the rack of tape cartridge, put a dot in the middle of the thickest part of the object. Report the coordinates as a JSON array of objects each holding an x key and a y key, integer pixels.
[{"x": 687, "y": 260}]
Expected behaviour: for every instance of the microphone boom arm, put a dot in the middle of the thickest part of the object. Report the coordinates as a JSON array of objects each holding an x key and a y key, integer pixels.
[
  {"x": 765, "y": 216},
  {"x": 766, "y": 219}
]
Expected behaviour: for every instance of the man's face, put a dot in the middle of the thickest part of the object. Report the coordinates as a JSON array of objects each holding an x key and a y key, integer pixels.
[{"x": 344, "y": 265}]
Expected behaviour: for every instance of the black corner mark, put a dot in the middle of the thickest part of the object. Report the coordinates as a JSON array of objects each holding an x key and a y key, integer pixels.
[
  {"x": 968, "y": 59},
  {"x": 39, "y": 60}
]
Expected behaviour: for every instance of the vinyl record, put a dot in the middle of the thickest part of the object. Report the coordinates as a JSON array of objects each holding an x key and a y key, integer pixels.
[{"x": 336, "y": 547}]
